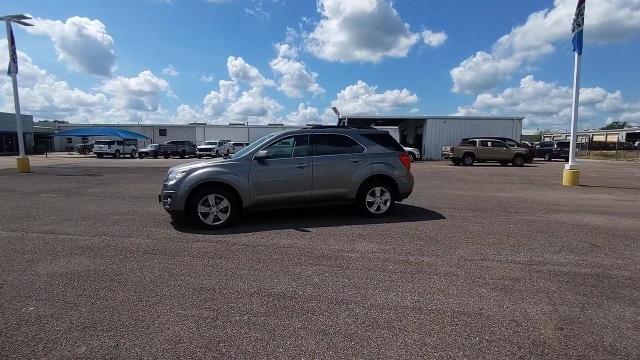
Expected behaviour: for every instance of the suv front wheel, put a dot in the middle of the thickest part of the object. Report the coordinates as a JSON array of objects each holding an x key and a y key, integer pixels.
[
  {"x": 213, "y": 207},
  {"x": 376, "y": 199}
]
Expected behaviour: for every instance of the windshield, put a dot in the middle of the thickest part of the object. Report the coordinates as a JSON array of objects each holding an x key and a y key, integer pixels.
[
  {"x": 153, "y": 146},
  {"x": 210, "y": 143},
  {"x": 253, "y": 145}
]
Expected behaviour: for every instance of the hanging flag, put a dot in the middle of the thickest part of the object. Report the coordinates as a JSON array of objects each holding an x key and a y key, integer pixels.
[
  {"x": 578, "y": 27},
  {"x": 13, "y": 55}
]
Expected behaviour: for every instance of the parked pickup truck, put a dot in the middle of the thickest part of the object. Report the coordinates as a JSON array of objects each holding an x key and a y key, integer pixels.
[
  {"x": 484, "y": 150},
  {"x": 181, "y": 148}
]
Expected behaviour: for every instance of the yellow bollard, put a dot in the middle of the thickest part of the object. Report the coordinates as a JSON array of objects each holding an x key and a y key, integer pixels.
[
  {"x": 23, "y": 164},
  {"x": 571, "y": 177}
]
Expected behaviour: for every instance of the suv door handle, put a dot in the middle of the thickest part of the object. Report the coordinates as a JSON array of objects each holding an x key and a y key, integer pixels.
[{"x": 301, "y": 166}]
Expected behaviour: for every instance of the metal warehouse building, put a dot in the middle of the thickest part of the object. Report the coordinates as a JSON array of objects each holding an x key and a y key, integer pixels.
[
  {"x": 430, "y": 133},
  {"x": 9, "y": 134},
  {"x": 426, "y": 133}
]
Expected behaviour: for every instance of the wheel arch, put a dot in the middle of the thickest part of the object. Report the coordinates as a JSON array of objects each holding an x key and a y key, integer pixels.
[
  {"x": 213, "y": 183},
  {"x": 382, "y": 178}
]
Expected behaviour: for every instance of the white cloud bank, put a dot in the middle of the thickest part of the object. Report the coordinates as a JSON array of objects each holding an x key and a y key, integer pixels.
[
  {"x": 606, "y": 21},
  {"x": 548, "y": 105},
  {"x": 82, "y": 43},
  {"x": 362, "y": 30}
]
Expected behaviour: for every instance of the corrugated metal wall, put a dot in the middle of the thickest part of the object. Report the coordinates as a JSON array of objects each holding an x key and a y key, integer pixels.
[{"x": 442, "y": 132}]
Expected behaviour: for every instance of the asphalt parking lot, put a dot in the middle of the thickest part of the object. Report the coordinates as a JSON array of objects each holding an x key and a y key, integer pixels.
[{"x": 480, "y": 262}]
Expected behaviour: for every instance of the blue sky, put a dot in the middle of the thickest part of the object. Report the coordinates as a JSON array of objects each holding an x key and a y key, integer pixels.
[{"x": 290, "y": 60}]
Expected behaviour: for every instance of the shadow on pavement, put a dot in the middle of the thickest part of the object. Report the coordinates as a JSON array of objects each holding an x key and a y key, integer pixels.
[{"x": 303, "y": 220}]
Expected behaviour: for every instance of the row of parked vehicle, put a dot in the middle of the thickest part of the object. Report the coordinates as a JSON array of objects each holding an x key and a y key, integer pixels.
[
  {"x": 173, "y": 148},
  {"x": 504, "y": 151}
]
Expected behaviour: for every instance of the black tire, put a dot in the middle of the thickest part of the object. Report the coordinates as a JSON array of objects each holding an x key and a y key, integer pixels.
[
  {"x": 199, "y": 156},
  {"x": 548, "y": 157},
  {"x": 217, "y": 154},
  {"x": 116, "y": 155},
  {"x": 201, "y": 198},
  {"x": 518, "y": 161},
  {"x": 155, "y": 155},
  {"x": 133, "y": 154},
  {"x": 412, "y": 156},
  {"x": 99, "y": 156},
  {"x": 141, "y": 155},
  {"x": 166, "y": 156},
  {"x": 456, "y": 162},
  {"x": 183, "y": 154},
  {"x": 468, "y": 159},
  {"x": 382, "y": 205}
]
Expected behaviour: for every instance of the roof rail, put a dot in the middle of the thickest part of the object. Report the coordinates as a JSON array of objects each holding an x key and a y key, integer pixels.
[{"x": 318, "y": 127}]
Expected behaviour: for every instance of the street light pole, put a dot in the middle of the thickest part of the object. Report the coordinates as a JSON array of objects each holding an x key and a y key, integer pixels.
[{"x": 23, "y": 160}]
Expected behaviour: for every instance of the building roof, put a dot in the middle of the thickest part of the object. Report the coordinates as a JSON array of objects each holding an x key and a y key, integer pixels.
[{"x": 425, "y": 117}]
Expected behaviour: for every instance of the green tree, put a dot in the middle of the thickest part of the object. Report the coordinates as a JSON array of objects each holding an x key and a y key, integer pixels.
[{"x": 616, "y": 125}]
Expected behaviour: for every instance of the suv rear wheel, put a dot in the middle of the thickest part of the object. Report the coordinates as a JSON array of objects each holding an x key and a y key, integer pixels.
[
  {"x": 133, "y": 154},
  {"x": 547, "y": 157},
  {"x": 468, "y": 159},
  {"x": 376, "y": 199},
  {"x": 213, "y": 207},
  {"x": 518, "y": 161},
  {"x": 116, "y": 154}
]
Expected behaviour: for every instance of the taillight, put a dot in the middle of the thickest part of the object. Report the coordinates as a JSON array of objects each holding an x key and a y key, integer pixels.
[{"x": 405, "y": 159}]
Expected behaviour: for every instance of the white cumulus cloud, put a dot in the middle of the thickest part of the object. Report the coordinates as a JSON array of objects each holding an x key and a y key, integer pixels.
[
  {"x": 362, "y": 98},
  {"x": 82, "y": 43},
  {"x": 606, "y": 21},
  {"x": 359, "y": 30},
  {"x": 293, "y": 77},
  {"x": 548, "y": 105},
  {"x": 240, "y": 70},
  {"x": 171, "y": 71},
  {"x": 434, "y": 39}
]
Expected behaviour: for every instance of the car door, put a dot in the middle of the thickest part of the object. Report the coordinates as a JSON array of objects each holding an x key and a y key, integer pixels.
[
  {"x": 336, "y": 158},
  {"x": 285, "y": 177},
  {"x": 499, "y": 150},
  {"x": 485, "y": 152}
]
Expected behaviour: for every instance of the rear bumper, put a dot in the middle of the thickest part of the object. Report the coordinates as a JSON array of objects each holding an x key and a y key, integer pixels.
[{"x": 405, "y": 186}]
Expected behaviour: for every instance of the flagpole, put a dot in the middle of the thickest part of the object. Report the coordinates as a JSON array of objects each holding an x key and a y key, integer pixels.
[
  {"x": 574, "y": 115},
  {"x": 571, "y": 173},
  {"x": 22, "y": 161}
]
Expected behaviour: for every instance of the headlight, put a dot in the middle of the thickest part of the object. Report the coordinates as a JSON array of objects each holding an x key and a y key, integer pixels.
[{"x": 175, "y": 176}]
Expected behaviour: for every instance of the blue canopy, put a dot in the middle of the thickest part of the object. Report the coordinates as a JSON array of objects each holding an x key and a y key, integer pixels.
[{"x": 102, "y": 131}]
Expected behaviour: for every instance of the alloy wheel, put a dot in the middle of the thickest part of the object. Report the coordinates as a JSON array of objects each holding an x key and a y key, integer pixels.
[
  {"x": 378, "y": 200},
  {"x": 214, "y": 209}
]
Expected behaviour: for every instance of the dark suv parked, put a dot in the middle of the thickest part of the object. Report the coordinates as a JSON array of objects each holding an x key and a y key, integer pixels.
[
  {"x": 314, "y": 165},
  {"x": 550, "y": 150}
]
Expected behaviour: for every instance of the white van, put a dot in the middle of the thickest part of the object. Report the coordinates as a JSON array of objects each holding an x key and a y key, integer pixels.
[{"x": 115, "y": 148}]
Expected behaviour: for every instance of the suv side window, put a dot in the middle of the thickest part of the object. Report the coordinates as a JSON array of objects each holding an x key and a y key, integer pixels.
[
  {"x": 292, "y": 146},
  {"x": 334, "y": 144},
  {"x": 511, "y": 143},
  {"x": 485, "y": 143},
  {"x": 498, "y": 144}
]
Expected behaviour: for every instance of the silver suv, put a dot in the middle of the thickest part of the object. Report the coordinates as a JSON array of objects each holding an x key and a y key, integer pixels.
[{"x": 316, "y": 165}]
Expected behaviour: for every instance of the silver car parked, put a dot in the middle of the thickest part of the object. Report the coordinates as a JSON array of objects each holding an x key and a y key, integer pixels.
[{"x": 316, "y": 165}]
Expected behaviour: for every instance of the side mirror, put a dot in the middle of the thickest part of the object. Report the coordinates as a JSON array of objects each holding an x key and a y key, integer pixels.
[{"x": 262, "y": 155}]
